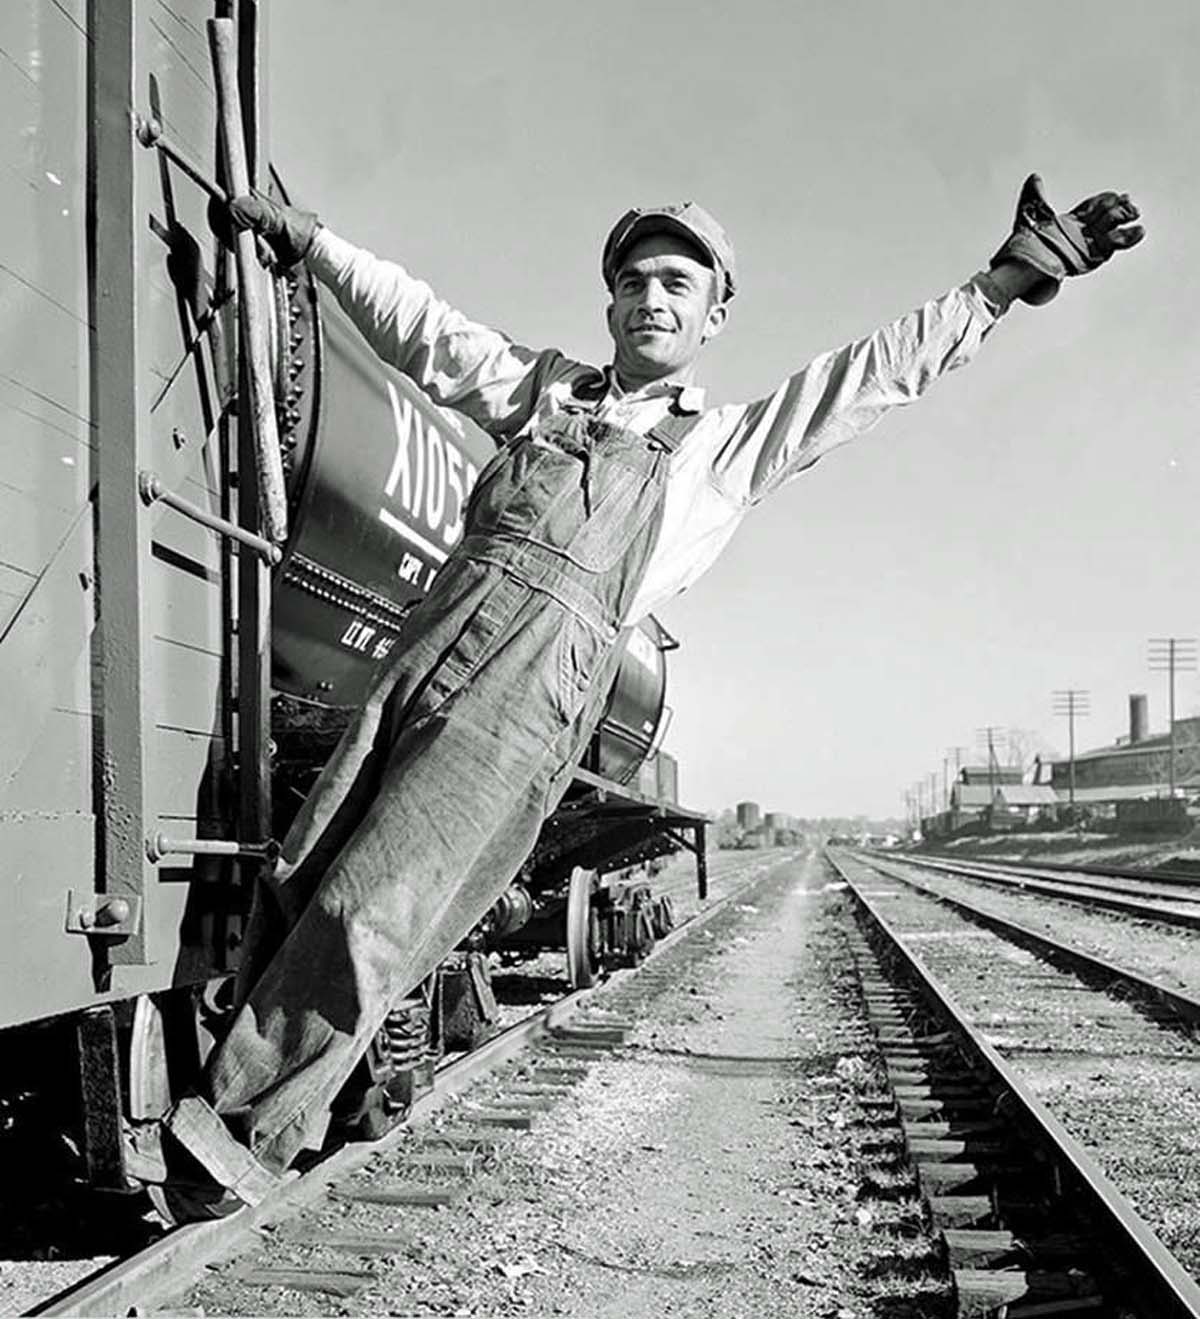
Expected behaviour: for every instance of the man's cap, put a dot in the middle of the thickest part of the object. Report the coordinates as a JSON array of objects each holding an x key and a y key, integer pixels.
[{"x": 685, "y": 219}]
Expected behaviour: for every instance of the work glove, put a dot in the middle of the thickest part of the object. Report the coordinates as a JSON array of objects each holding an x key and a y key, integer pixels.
[
  {"x": 1073, "y": 243},
  {"x": 287, "y": 230}
]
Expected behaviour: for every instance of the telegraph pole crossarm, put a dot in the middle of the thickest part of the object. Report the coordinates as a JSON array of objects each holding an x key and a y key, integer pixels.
[
  {"x": 1074, "y": 703},
  {"x": 988, "y": 735},
  {"x": 1172, "y": 655}
]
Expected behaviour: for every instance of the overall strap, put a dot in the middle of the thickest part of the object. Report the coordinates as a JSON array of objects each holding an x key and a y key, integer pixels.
[
  {"x": 586, "y": 393},
  {"x": 674, "y": 428}
]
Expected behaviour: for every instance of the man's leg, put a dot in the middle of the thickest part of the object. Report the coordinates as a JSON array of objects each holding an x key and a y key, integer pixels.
[
  {"x": 467, "y": 601},
  {"x": 457, "y": 811}
]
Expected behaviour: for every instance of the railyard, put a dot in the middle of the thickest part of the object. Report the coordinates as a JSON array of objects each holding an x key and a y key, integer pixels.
[
  {"x": 372, "y": 945},
  {"x": 779, "y": 1113}
]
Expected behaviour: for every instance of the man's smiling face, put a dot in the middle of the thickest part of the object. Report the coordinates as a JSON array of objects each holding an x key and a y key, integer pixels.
[{"x": 664, "y": 309}]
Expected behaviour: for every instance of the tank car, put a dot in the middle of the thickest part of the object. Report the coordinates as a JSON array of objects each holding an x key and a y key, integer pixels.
[{"x": 172, "y": 679}]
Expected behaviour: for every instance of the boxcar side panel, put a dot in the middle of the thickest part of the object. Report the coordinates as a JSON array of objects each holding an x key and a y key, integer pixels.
[{"x": 43, "y": 291}]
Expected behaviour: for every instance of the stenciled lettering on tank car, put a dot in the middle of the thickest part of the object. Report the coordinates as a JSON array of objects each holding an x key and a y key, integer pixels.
[{"x": 431, "y": 481}]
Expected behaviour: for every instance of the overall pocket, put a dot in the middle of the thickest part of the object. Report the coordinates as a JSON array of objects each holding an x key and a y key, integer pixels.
[
  {"x": 579, "y": 651},
  {"x": 562, "y": 491},
  {"x": 518, "y": 487}
]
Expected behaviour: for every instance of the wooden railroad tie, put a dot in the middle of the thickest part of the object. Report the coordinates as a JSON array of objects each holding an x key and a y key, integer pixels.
[
  {"x": 349, "y": 1243},
  {"x": 518, "y": 1120},
  {"x": 963, "y": 1210},
  {"x": 982, "y": 1292},
  {"x": 484, "y": 1144},
  {"x": 974, "y": 1248},
  {"x": 938, "y": 1129},
  {"x": 518, "y": 1100},
  {"x": 335, "y": 1282},
  {"x": 399, "y": 1193},
  {"x": 943, "y": 1106},
  {"x": 444, "y": 1160}
]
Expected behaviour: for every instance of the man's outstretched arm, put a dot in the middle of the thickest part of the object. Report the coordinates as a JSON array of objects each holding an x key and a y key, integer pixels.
[
  {"x": 842, "y": 393},
  {"x": 456, "y": 361},
  {"x": 1013, "y": 279}
]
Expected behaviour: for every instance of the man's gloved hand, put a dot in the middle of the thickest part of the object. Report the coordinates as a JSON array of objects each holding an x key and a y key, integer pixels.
[
  {"x": 287, "y": 230},
  {"x": 1073, "y": 243}
]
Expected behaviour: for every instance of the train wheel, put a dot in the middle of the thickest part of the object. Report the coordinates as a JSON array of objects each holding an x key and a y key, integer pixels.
[{"x": 582, "y": 959}]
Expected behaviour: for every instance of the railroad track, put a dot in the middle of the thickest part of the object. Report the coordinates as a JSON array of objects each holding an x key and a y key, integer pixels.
[
  {"x": 1148, "y": 899},
  {"x": 1165, "y": 875},
  {"x": 1048, "y": 1102},
  {"x": 550, "y": 1049},
  {"x": 1168, "y": 954}
]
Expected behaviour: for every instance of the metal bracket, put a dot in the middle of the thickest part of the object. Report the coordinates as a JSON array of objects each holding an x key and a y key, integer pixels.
[
  {"x": 104, "y": 915},
  {"x": 150, "y": 133},
  {"x": 159, "y": 845},
  {"x": 152, "y": 490},
  {"x": 679, "y": 839}
]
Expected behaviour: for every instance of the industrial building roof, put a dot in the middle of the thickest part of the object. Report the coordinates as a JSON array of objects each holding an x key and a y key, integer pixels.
[
  {"x": 1116, "y": 792},
  {"x": 1027, "y": 794},
  {"x": 982, "y": 774},
  {"x": 1187, "y": 729},
  {"x": 1159, "y": 742}
]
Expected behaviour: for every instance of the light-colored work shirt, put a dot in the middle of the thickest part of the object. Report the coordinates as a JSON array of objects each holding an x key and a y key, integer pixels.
[{"x": 734, "y": 456}]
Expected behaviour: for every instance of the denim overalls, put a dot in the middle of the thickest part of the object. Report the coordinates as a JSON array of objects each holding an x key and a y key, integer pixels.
[{"x": 437, "y": 792}]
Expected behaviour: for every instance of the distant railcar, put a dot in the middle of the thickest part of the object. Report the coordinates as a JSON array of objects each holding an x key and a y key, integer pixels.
[{"x": 172, "y": 682}]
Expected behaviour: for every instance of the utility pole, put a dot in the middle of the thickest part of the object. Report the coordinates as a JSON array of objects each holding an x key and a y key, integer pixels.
[
  {"x": 989, "y": 733},
  {"x": 957, "y": 753},
  {"x": 1172, "y": 655},
  {"x": 1073, "y": 702}
]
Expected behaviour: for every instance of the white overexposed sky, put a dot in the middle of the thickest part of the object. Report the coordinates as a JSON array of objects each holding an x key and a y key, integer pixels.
[{"x": 1024, "y": 527}]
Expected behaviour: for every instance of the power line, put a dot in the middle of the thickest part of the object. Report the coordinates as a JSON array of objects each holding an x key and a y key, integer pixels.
[
  {"x": 988, "y": 735},
  {"x": 1171, "y": 655},
  {"x": 1075, "y": 703}
]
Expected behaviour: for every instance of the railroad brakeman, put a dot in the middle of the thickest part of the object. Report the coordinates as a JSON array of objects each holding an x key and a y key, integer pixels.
[{"x": 611, "y": 491}]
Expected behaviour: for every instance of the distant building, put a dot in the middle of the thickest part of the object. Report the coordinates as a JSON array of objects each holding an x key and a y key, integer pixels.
[
  {"x": 749, "y": 816},
  {"x": 1017, "y": 804},
  {"x": 1135, "y": 766}
]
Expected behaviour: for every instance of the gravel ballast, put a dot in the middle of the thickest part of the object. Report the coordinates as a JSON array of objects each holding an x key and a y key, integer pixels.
[
  {"x": 711, "y": 1166},
  {"x": 1165, "y": 953},
  {"x": 1126, "y": 1087}
]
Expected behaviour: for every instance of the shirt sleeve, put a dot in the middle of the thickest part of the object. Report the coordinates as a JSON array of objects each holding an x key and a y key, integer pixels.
[
  {"x": 456, "y": 361},
  {"x": 843, "y": 393}
]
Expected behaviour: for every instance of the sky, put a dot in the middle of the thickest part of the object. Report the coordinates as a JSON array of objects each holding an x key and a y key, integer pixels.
[{"x": 1026, "y": 526}]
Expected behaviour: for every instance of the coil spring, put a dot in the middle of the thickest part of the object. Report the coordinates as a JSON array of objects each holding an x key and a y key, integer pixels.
[{"x": 405, "y": 1034}]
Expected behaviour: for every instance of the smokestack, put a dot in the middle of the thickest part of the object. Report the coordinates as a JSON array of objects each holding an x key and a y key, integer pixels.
[{"x": 1139, "y": 719}]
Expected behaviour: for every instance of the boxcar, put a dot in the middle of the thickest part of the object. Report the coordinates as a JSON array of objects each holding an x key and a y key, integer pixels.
[{"x": 172, "y": 679}]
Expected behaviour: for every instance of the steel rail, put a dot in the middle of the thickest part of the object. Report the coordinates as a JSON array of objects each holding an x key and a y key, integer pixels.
[
  {"x": 1182, "y": 878},
  {"x": 161, "y": 1269},
  {"x": 1171, "y": 888},
  {"x": 1081, "y": 896},
  {"x": 1183, "y": 1004},
  {"x": 1176, "y": 1290}
]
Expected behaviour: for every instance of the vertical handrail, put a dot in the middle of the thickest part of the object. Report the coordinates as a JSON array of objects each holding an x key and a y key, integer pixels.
[{"x": 222, "y": 43}]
